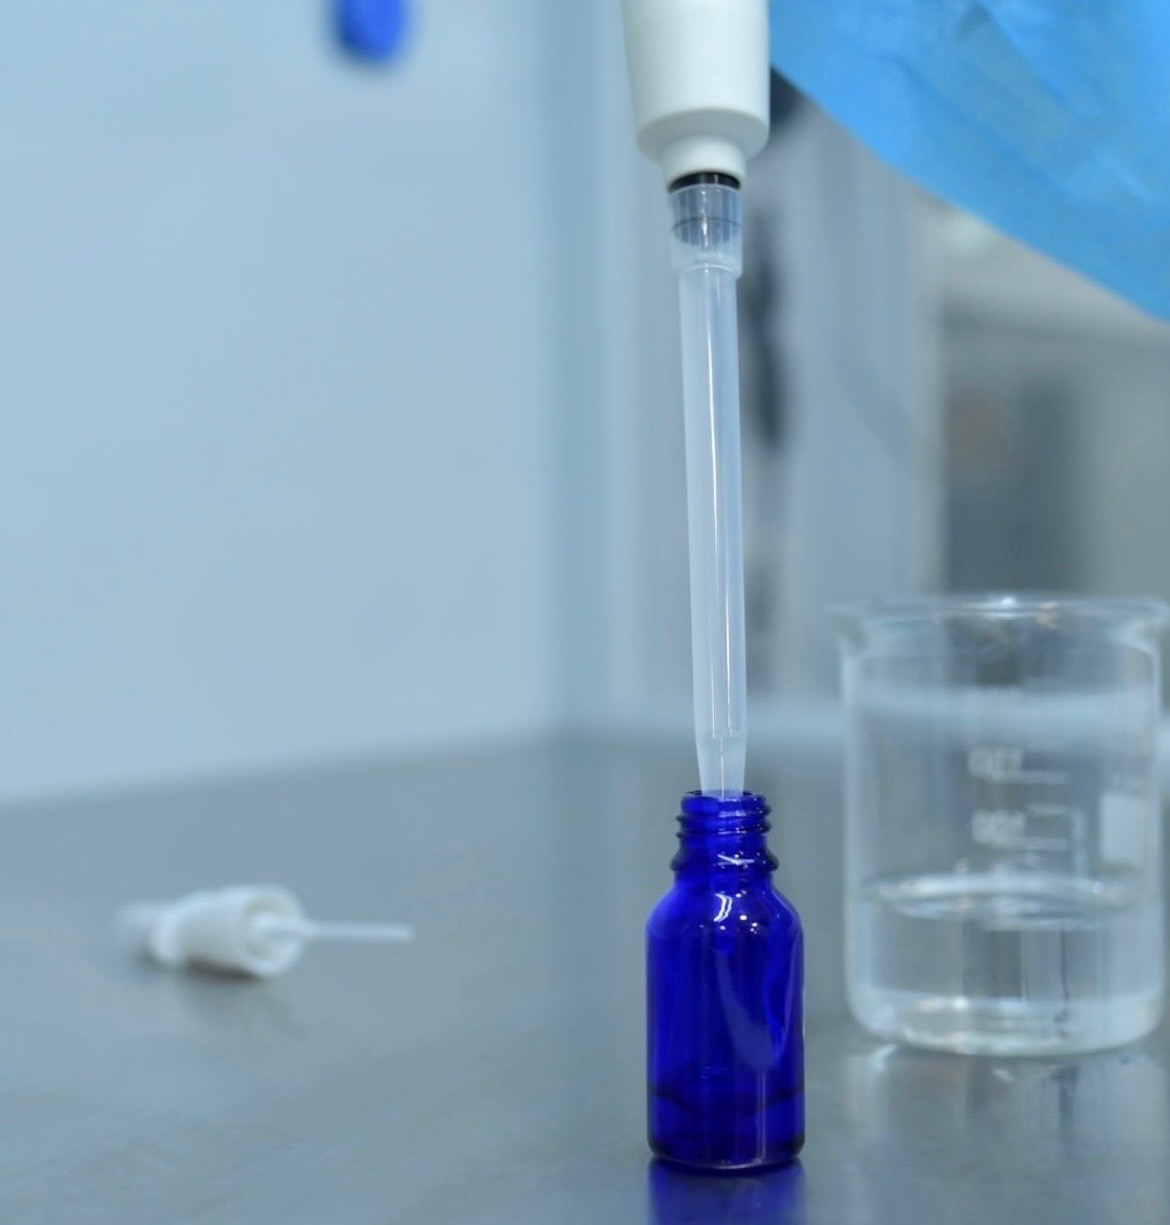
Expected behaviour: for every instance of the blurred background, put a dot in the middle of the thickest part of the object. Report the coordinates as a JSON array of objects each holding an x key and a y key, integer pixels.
[{"x": 340, "y": 407}]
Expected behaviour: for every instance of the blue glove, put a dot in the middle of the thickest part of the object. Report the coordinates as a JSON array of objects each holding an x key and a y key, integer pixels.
[{"x": 1048, "y": 118}]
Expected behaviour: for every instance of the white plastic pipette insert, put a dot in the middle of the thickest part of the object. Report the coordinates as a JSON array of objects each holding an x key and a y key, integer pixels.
[{"x": 258, "y": 930}]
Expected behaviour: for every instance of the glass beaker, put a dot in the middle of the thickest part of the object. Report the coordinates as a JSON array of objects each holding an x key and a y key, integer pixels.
[{"x": 1003, "y": 827}]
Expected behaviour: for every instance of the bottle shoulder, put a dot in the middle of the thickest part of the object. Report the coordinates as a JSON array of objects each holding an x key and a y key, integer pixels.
[{"x": 714, "y": 902}]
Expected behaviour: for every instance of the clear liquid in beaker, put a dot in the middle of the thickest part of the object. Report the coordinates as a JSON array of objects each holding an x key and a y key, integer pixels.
[
  {"x": 1003, "y": 824},
  {"x": 1003, "y": 963}
]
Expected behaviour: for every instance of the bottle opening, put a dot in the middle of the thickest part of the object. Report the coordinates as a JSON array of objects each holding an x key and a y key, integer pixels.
[{"x": 703, "y": 805}]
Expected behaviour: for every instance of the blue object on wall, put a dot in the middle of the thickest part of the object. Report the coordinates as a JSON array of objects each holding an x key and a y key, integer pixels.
[
  {"x": 1050, "y": 118},
  {"x": 373, "y": 30}
]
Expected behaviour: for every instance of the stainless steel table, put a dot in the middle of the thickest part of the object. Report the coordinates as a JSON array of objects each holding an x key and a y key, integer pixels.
[{"x": 491, "y": 1073}]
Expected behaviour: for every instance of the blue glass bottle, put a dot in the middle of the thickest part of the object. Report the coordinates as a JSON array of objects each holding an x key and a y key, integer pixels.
[{"x": 725, "y": 981}]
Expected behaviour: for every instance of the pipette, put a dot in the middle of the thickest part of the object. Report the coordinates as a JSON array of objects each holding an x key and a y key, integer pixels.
[
  {"x": 699, "y": 79},
  {"x": 717, "y": 1096},
  {"x": 707, "y": 255},
  {"x": 260, "y": 930}
]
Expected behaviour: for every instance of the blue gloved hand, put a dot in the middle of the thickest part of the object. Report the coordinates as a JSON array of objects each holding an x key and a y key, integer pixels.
[{"x": 1048, "y": 118}]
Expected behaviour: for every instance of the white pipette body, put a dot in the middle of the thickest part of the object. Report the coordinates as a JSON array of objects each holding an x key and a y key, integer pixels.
[{"x": 699, "y": 83}]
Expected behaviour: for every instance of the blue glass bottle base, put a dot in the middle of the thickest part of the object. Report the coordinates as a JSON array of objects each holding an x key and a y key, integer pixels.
[
  {"x": 728, "y": 1136},
  {"x": 753, "y": 1197},
  {"x": 772, "y": 1162}
]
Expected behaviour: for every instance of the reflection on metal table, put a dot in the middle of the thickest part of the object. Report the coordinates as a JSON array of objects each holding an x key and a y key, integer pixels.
[{"x": 492, "y": 1072}]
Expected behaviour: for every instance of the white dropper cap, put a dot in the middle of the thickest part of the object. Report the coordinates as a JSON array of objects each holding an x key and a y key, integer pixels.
[
  {"x": 259, "y": 930},
  {"x": 699, "y": 78}
]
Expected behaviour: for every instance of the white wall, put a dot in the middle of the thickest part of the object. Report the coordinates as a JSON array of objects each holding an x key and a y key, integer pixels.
[{"x": 276, "y": 368}]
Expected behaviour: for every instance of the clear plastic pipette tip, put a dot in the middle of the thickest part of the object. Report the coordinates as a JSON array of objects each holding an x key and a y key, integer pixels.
[
  {"x": 707, "y": 257},
  {"x": 310, "y": 929},
  {"x": 722, "y": 765}
]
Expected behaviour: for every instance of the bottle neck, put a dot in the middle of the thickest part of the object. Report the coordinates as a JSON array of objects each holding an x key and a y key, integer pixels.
[{"x": 723, "y": 836}]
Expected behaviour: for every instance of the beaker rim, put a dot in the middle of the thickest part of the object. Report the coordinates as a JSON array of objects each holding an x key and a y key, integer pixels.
[{"x": 1002, "y": 605}]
